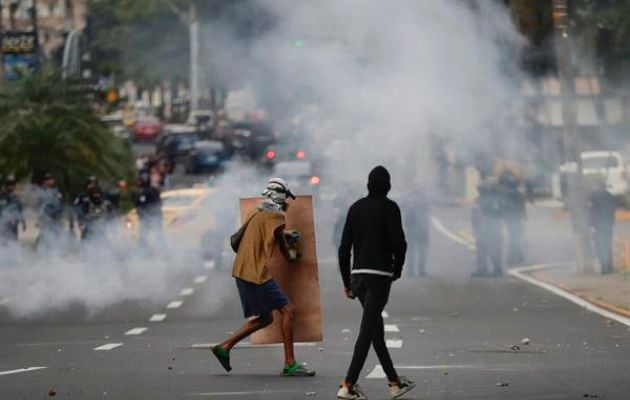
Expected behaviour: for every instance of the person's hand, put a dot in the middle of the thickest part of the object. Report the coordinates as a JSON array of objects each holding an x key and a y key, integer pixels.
[{"x": 349, "y": 293}]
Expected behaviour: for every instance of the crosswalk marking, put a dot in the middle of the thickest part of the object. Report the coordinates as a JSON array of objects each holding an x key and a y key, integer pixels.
[
  {"x": 174, "y": 304},
  {"x": 394, "y": 343},
  {"x": 136, "y": 331},
  {"x": 201, "y": 279},
  {"x": 108, "y": 346},
  {"x": 157, "y": 318},
  {"x": 391, "y": 328},
  {"x": 187, "y": 291}
]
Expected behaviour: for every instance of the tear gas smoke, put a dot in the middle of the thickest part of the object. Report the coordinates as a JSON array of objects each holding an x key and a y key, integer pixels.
[{"x": 360, "y": 83}]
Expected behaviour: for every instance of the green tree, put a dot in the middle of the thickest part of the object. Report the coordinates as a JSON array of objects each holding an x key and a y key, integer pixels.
[{"x": 47, "y": 125}]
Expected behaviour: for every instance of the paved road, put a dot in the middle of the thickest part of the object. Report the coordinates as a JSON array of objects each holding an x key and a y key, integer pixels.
[{"x": 450, "y": 333}]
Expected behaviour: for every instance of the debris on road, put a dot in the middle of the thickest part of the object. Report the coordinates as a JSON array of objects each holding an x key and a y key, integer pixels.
[
  {"x": 502, "y": 384},
  {"x": 515, "y": 309},
  {"x": 525, "y": 341},
  {"x": 515, "y": 347},
  {"x": 422, "y": 331},
  {"x": 590, "y": 396},
  {"x": 52, "y": 392},
  {"x": 310, "y": 393},
  {"x": 455, "y": 315},
  {"x": 346, "y": 330},
  {"x": 321, "y": 349}
]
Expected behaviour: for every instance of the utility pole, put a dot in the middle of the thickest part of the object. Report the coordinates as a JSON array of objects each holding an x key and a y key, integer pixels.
[
  {"x": 577, "y": 194},
  {"x": 1, "y": 36},
  {"x": 194, "y": 59}
]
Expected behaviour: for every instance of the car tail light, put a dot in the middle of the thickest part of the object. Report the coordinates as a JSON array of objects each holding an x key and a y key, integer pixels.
[
  {"x": 271, "y": 154},
  {"x": 314, "y": 181},
  {"x": 300, "y": 154}
]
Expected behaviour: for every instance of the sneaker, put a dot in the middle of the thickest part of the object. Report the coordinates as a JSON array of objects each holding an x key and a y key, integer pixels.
[
  {"x": 404, "y": 385},
  {"x": 351, "y": 393},
  {"x": 296, "y": 369},
  {"x": 223, "y": 356}
]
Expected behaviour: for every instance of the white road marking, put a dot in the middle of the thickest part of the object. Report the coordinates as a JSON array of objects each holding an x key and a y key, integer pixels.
[
  {"x": 136, "y": 331},
  {"x": 201, "y": 279},
  {"x": 253, "y": 392},
  {"x": 378, "y": 373},
  {"x": 108, "y": 346},
  {"x": 187, "y": 291},
  {"x": 384, "y": 314},
  {"x": 246, "y": 345},
  {"x": 174, "y": 304},
  {"x": 451, "y": 235},
  {"x": 19, "y": 371},
  {"x": 157, "y": 318},
  {"x": 391, "y": 328},
  {"x": 210, "y": 264},
  {"x": 394, "y": 343},
  {"x": 521, "y": 274}
]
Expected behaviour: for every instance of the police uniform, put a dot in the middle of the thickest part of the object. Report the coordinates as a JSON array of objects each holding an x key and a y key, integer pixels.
[
  {"x": 486, "y": 222},
  {"x": 148, "y": 203},
  {"x": 92, "y": 210},
  {"x": 10, "y": 216}
]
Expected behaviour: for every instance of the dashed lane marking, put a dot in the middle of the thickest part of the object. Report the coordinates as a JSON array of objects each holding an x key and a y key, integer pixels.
[
  {"x": 394, "y": 343},
  {"x": 379, "y": 373},
  {"x": 21, "y": 370},
  {"x": 108, "y": 346},
  {"x": 451, "y": 235},
  {"x": 521, "y": 273},
  {"x": 187, "y": 291},
  {"x": 136, "y": 331},
  {"x": 174, "y": 304},
  {"x": 210, "y": 264},
  {"x": 157, "y": 318},
  {"x": 384, "y": 314},
  {"x": 391, "y": 328},
  {"x": 252, "y": 393},
  {"x": 247, "y": 345},
  {"x": 201, "y": 279}
]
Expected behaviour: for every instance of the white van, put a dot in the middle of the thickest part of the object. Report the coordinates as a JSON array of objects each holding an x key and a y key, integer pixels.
[{"x": 607, "y": 164}]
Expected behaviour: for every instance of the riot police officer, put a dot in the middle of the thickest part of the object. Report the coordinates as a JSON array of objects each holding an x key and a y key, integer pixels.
[
  {"x": 602, "y": 222},
  {"x": 10, "y": 213},
  {"x": 148, "y": 203},
  {"x": 416, "y": 223},
  {"x": 514, "y": 216},
  {"x": 92, "y": 209},
  {"x": 486, "y": 222},
  {"x": 51, "y": 211}
]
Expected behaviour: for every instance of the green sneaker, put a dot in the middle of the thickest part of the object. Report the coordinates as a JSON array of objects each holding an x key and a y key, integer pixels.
[
  {"x": 296, "y": 369},
  {"x": 222, "y": 355}
]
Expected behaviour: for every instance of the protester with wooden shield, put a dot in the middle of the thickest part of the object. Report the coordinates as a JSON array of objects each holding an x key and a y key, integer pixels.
[{"x": 260, "y": 294}]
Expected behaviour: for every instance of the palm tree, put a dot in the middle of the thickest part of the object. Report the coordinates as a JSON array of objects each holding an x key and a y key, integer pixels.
[{"x": 47, "y": 125}]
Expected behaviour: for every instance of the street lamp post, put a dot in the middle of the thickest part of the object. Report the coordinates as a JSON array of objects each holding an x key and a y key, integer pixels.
[{"x": 577, "y": 195}]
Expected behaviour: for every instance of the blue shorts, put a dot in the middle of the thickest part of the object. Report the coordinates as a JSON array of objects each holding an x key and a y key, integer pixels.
[{"x": 259, "y": 300}]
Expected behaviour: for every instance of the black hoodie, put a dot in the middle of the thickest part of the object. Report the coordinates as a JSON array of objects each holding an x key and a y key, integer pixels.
[{"x": 373, "y": 231}]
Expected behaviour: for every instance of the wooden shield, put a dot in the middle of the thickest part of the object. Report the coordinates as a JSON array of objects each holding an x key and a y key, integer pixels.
[{"x": 299, "y": 280}]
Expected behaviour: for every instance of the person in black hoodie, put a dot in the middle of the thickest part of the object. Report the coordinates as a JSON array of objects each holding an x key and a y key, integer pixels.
[{"x": 373, "y": 233}]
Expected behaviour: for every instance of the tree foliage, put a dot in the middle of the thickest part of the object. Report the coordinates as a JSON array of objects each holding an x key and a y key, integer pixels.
[{"x": 47, "y": 125}]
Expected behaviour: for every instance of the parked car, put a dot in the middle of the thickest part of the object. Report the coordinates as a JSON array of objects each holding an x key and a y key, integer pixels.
[
  {"x": 177, "y": 140},
  {"x": 609, "y": 166},
  {"x": 251, "y": 139},
  {"x": 116, "y": 123},
  {"x": 186, "y": 216},
  {"x": 200, "y": 117},
  {"x": 147, "y": 128},
  {"x": 300, "y": 175},
  {"x": 207, "y": 156}
]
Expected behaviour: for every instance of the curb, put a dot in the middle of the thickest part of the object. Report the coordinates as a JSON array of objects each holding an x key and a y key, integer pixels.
[{"x": 597, "y": 306}]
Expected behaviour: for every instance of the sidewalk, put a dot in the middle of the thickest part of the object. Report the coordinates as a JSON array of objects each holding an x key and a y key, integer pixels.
[{"x": 611, "y": 292}]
